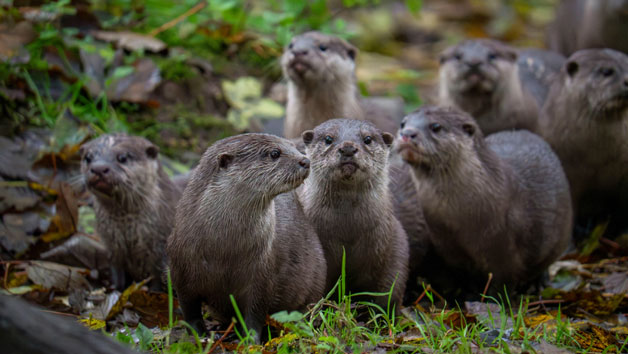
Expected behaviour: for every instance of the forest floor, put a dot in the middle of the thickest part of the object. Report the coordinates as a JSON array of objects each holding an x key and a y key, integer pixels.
[{"x": 188, "y": 73}]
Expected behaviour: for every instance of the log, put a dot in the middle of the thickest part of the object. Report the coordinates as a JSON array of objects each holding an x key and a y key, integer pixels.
[{"x": 26, "y": 329}]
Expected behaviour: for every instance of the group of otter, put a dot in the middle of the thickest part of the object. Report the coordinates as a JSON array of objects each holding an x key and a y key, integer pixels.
[{"x": 273, "y": 226}]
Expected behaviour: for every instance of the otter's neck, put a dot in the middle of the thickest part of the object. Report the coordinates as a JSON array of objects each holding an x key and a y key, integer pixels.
[
  {"x": 310, "y": 106},
  {"x": 336, "y": 204},
  {"x": 140, "y": 199},
  {"x": 471, "y": 191},
  {"x": 246, "y": 223}
]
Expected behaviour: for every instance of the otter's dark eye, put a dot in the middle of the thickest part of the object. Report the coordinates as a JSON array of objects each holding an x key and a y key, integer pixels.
[
  {"x": 403, "y": 124},
  {"x": 275, "y": 154},
  {"x": 329, "y": 140},
  {"x": 122, "y": 158},
  {"x": 322, "y": 47},
  {"x": 435, "y": 127},
  {"x": 492, "y": 56},
  {"x": 607, "y": 71},
  {"x": 458, "y": 56},
  {"x": 368, "y": 140},
  {"x": 88, "y": 158},
  {"x": 290, "y": 46}
]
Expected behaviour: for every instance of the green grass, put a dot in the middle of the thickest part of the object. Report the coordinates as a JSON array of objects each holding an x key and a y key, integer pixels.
[{"x": 340, "y": 324}]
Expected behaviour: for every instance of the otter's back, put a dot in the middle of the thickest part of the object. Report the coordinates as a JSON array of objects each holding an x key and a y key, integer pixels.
[{"x": 541, "y": 185}]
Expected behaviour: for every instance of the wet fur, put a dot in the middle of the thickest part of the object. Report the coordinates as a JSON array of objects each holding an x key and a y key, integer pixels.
[
  {"x": 601, "y": 24},
  {"x": 135, "y": 220},
  {"x": 499, "y": 101},
  {"x": 327, "y": 89},
  {"x": 499, "y": 204},
  {"x": 355, "y": 212},
  {"x": 240, "y": 230},
  {"x": 584, "y": 120}
]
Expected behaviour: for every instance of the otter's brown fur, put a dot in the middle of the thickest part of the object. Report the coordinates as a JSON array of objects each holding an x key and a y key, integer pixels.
[
  {"x": 347, "y": 200},
  {"x": 584, "y": 120},
  {"x": 482, "y": 78},
  {"x": 321, "y": 85},
  {"x": 499, "y": 204},
  {"x": 134, "y": 201},
  {"x": 582, "y": 24},
  {"x": 240, "y": 230}
]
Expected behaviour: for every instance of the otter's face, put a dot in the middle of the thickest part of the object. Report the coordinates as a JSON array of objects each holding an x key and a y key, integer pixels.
[
  {"x": 119, "y": 167},
  {"x": 599, "y": 78},
  {"x": 263, "y": 164},
  {"x": 433, "y": 138},
  {"x": 347, "y": 151},
  {"x": 475, "y": 67},
  {"x": 314, "y": 58}
]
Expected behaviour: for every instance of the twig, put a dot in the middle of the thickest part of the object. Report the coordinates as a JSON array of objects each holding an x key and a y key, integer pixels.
[
  {"x": 488, "y": 283},
  {"x": 427, "y": 288},
  {"x": 198, "y": 7},
  {"x": 221, "y": 338},
  {"x": 543, "y": 302},
  {"x": 59, "y": 313}
]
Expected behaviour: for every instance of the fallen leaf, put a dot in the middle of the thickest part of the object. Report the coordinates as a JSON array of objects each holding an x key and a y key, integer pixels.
[
  {"x": 124, "y": 298},
  {"x": 597, "y": 339},
  {"x": 131, "y": 40},
  {"x": 93, "y": 323},
  {"x": 17, "y": 230},
  {"x": 81, "y": 251},
  {"x": 137, "y": 85},
  {"x": 13, "y": 38},
  {"x": 616, "y": 283},
  {"x": 57, "y": 276}
]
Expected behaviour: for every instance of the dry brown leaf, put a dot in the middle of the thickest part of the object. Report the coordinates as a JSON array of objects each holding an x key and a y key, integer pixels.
[
  {"x": 130, "y": 40},
  {"x": 58, "y": 276}
]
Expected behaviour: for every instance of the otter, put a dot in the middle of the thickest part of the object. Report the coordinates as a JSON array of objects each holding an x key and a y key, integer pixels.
[
  {"x": 503, "y": 89},
  {"x": 320, "y": 70},
  {"x": 240, "y": 230},
  {"x": 347, "y": 200},
  {"x": 499, "y": 204},
  {"x": 584, "y": 120},
  {"x": 600, "y": 24},
  {"x": 134, "y": 201}
]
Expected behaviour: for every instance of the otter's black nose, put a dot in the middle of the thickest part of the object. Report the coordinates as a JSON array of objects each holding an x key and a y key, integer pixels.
[
  {"x": 99, "y": 169},
  {"x": 305, "y": 163},
  {"x": 299, "y": 52},
  {"x": 408, "y": 133},
  {"x": 348, "y": 150}
]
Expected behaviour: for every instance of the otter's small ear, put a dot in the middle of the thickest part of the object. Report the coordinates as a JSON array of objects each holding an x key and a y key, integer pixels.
[
  {"x": 152, "y": 151},
  {"x": 224, "y": 160},
  {"x": 469, "y": 129},
  {"x": 307, "y": 136},
  {"x": 388, "y": 139},
  {"x": 572, "y": 68},
  {"x": 352, "y": 53}
]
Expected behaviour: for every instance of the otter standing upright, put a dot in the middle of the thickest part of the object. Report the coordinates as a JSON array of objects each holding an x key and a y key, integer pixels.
[
  {"x": 502, "y": 88},
  {"x": 134, "y": 202},
  {"x": 321, "y": 85},
  {"x": 347, "y": 200},
  {"x": 240, "y": 230},
  {"x": 497, "y": 205},
  {"x": 584, "y": 120}
]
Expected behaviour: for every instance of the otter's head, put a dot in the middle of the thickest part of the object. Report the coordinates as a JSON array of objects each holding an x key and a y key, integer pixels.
[
  {"x": 433, "y": 139},
  {"x": 597, "y": 79},
  {"x": 118, "y": 167},
  {"x": 476, "y": 67},
  {"x": 260, "y": 165},
  {"x": 348, "y": 151},
  {"x": 314, "y": 59}
]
